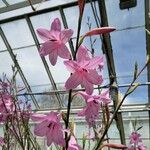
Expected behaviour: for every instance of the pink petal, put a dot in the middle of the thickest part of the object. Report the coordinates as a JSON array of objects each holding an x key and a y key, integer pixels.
[
  {"x": 65, "y": 35},
  {"x": 88, "y": 86},
  {"x": 82, "y": 54},
  {"x": 44, "y": 34},
  {"x": 56, "y": 25},
  {"x": 41, "y": 129},
  {"x": 63, "y": 52},
  {"x": 47, "y": 48},
  {"x": 93, "y": 77},
  {"x": 95, "y": 62},
  {"x": 58, "y": 136},
  {"x": 71, "y": 66},
  {"x": 38, "y": 117},
  {"x": 53, "y": 57},
  {"x": 73, "y": 81},
  {"x": 98, "y": 31},
  {"x": 49, "y": 138},
  {"x": 85, "y": 95}
]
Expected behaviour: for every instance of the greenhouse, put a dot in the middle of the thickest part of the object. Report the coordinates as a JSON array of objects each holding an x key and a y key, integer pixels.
[{"x": 74, "y": 74}]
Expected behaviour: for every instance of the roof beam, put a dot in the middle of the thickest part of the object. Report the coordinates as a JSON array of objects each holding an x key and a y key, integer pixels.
[
  {"x": 17, "y": 5},
  {"x": 13, "y": 56},
  {"x": 107, "y": 49}
]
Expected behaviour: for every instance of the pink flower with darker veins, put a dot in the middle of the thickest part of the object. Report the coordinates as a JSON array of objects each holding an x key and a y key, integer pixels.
[
  {"x": 83, "y": 70},
  {"x": 50, "y": 127},
  {"x": 135, "y": 138},
  {"x": 91, "y": 111},
  {"x": 54, "y": 41}
]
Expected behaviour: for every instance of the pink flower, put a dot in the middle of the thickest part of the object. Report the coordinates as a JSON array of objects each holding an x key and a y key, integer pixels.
[
  {"x": 142, "y": 147},
  {"x": 73, "y": 144},
  {"x": 84, "y": 71},
  {"x": 91, "y": 111},
  {"x": 54, "y": 41},
  {"x": 6, "y": 103},
  {"x": 50, "y": 127},
  {"x": 135, "y": 138}
]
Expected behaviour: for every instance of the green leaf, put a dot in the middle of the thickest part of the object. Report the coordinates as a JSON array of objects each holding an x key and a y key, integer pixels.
[
  {"x": 81, "y": 40},
  {"x": 83, "y": 141},
  {"x": 139, "y": 128},
  {"x": 135, "y": 70},
  {"x": 133, "y": 88}
]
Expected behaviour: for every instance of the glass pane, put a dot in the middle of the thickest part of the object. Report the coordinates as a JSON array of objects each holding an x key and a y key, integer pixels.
[
  {"x": 14, "y": 1},
  {"x": 125, "y": 18},
  {"x": 44, "y": 21},
  {"x": 2, "y": 45},
  {"x": 2, "y": 4},
  {"x": 6, "y": 64},
  {"x": 140, "y": 95},
  {"x": 32, "y": 66},
  {"x": 73, "y": 20},
  {"x": 129, "y": 46},
  {"x": 17, "y": 33}
]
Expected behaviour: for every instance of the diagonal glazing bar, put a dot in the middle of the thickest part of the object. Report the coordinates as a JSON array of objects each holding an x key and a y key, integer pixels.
[
  {"x": 18, "y": 67},
  {"x": 17, "y": 5},
  {"x": 44, "y": 61},
  {"x": 5, "y": 2},
  {"x": 107, "y": 48}
]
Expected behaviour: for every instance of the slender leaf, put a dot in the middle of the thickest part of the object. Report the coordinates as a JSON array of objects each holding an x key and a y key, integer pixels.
[{"x": 133, "y": 88}]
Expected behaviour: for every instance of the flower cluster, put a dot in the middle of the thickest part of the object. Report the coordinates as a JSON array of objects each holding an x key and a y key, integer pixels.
[{"x": 85, "y": 71}]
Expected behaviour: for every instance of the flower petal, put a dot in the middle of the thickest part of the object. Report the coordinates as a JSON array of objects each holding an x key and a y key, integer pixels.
[
  {"x": 56, "y": 25},
  {"x": 65, "y": 35},
  {"x": 42, "y": 128},
  {"x": 63, "y": 52},
  {"x": 44, "y": 34},
  {"x": 71, "y": 66},
  {"x": 96, "y": 62},
  {"x": 53, "y": 57},
  {"x": 93, "y": 77},
  {"x": 85, "y": 95},
  {"x": 88, "y": 86},
  {"x": 82, "y": 54},
  {"x": 47, "y": 48},
  {"x": 49, "y": 138},
  {"x": 73, "y": 81},
  {"x": 38, "y": 117}
]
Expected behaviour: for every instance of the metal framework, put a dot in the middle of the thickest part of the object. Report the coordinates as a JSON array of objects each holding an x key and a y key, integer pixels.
[{"x": 106, "y": 46}]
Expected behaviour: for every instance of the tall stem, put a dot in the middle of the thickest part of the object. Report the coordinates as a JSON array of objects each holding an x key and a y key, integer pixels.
[{"x": 118, "y": 107}]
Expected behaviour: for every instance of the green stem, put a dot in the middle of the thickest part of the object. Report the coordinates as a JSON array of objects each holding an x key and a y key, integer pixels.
[{"x": 118, "y": 107}]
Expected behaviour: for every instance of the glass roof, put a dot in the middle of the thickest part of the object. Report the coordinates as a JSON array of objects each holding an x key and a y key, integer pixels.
[{"x": 128, "y": 43}]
